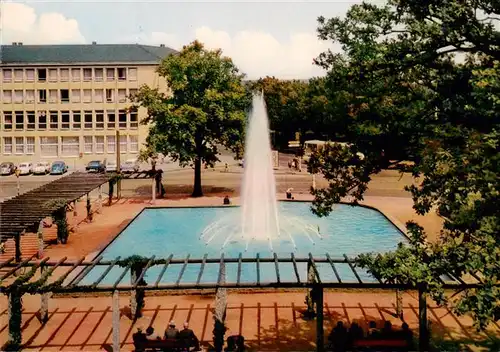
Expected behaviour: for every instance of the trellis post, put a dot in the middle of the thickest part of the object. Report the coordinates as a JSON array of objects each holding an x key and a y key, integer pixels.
[
  {"x": 15, "y": 319},
  {"x": 89, "y": 208},
  {"x": 133, "y": 294},
  {"x": 17, "y": 242},
  {"x": 399, "y": 303},
  {"x": 310, "y": 302},
  {"x": 75, "y": 212},
  {"x": 153, "y": 191},
  {"x": 423, "y": 336},
  {"x": 116, "y": 321},
  {"x": 44, "y": 301},
  {"x": 40, "y": 240},
  {"x": 100, "y": 200},
  {"x": 318, "y": 298}
]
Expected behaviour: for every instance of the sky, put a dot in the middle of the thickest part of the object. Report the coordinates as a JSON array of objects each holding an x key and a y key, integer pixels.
[{"x": 276, "y": 38}]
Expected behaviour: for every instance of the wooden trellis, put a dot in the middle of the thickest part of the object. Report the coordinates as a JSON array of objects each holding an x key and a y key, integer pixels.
[{"x": 71, "y": 279}]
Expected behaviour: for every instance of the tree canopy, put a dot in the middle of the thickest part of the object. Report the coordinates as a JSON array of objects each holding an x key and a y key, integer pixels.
[
  {"x": 420, "y": 80},
  {"x": 205, "y": 108}
]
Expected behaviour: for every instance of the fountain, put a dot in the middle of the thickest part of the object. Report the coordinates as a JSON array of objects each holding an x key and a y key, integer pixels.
[{"x": 259, "y": 218}]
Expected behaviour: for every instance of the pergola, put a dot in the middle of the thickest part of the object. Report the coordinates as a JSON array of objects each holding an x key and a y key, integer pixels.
[
  {"x": 71, "y": 280},
  {"x": 25, "y": 212}
]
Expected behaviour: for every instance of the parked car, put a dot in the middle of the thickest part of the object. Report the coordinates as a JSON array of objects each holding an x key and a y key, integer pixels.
[
  {"x": 111, "y": 166},
  {"x": 41, "y": 168},
  {"x": 95, "y": 166},
  {"x": 58, "y": 168},
  {"x": 130, "y": 166},
  {"x": 25, "y": 168},
  {"x": 7, "y": 168}
]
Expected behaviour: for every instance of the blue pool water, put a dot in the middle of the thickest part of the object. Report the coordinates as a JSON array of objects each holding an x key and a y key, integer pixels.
[{"x": 164, "y": 231}]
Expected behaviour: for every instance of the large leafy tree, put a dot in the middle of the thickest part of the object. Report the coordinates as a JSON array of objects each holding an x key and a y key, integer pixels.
[
  {"x": 400, "y": 91},
  {"x": 205, "y": 108}
]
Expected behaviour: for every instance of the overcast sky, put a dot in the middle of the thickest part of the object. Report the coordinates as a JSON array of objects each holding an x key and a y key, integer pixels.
[{"x": 263, "y": 38}]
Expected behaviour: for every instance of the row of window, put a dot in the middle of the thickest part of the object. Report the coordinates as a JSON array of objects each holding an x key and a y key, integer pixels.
[
  {"x": 69, "y": 120},
  {"x": 69, "y": 146},
  {"x": 87, "y": 74},
  {"x": 42, "y": 96}
]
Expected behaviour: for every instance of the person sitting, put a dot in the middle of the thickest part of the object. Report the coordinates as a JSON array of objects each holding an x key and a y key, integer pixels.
[
  {"x": 149, "y": 333},
  {"x": 355, "y": 333},
  {"x": 387, "y": 332},
  {"x": 373, "y": 332},
  {"x": 189, "y": 337},
  {"x": 227, "y": 201},
  {"x": 407, "y": 334},
  {"x": 235, "y": 343},
  {"x": 289, "y": 193},
  {"x": 139, "y": 338},
  {"x": 338, "y": 337},
  {"x": 171, "y": 332}
]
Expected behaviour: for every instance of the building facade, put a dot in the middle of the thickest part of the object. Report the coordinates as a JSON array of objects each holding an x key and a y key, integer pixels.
[{"x": 66, "y": 102}]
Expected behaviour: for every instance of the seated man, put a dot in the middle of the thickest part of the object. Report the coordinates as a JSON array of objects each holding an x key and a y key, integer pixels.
[
  {"x": 138, "y": 338},
  {"x": 189, "y": 337},
  {"x": 227, "y": 201},
  {"x": 149, "y": 333},
  {"x": 172, "y": 331}
]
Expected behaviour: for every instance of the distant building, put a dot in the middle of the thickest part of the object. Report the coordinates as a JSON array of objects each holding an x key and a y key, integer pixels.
[{"x": 66, "y": 102}]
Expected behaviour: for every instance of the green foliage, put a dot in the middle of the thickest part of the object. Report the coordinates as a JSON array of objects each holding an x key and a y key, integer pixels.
[
  {"x": 401, "y": 92},
  {"x": 15, "y": 321},
  {"x": 204, "y": 108},
  {"x": 60, "y": 207}
]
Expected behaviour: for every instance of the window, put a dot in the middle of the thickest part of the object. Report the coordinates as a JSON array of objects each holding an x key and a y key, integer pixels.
[
  {"x": 111, "y": 118},
  {"x": 131, "y": 94},
  {"x": 87, "y": 74},
  {"x": 87, "y": 119},
  {"x": 110, "y": 74},
  {"x": 98, "y": 96},
  {"x": 30, "y": 145},
  {"x": 64, "y": 74},
  {"x": 53, "y": 96},
  {"x": 18, "y": 75},
  {"x": 41, "y": 74},
  {"x": 87, "y": 95},
  {"x": 122, "y": 95},
  {"x": 30, "y": 75},
  {"x": 75, "y": 95},
  {"x": 42, "y": 120},
  {"x": 7, "y": 120},
  {"x": 77, "y": 120},
  {"x": 111, "y": 144},
  {"x": 42, "y": 95},
  {"x": 7, "y": 97},
  {"x": 99, "y": 74},
  {"x": 54, "y": 123},
  {"x": 75, "y": 74},
  {"x": 7, "y": 76},
  {"x": 18, "y": 96},
  {"x": 99, "y": 119},
  {"x": 134, "y": 121},
  {"x": 7, "y": 145},
  {"x": 49, "y": 146},
  {"x": 133, "y": 144},
  {"x": 19, "y": 120},
  {"x": 109, "y": 95},
  {"x": 88, "y": 146},
  {"x": 70, "y": 146},
  {"x": 132, "y": 74},
  {"x": 65, "y": 120},
  {"x": 122, "y": 119},
  {"x": 30, "y": 116},
  {"x": 99, "y": 144},
  {"x": 53, "y": 75},
  {"x": 65, "y": 95},
  {"x": 30, "y": 96},
  {"x": 122, "y": 73},
  {"x": 19, "y": 145},
  {"x": 123, "y": 144}
]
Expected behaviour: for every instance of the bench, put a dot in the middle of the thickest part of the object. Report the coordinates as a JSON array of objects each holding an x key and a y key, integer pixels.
[
  {"x": 162, "y": 345},
  {"x": 381, "y": 344}
]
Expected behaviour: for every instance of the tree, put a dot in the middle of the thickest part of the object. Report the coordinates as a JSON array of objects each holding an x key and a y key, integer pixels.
[
  {"x": 205, "y": 108},
  {"x": 400, "y": 83}
]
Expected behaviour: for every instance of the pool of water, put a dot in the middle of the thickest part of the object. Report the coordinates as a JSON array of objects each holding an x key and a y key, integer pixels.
[{"x": 164, "y": 231}]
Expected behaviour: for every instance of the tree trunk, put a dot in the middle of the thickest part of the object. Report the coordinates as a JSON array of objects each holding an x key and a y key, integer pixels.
[{"x": 197, "y": 191}]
